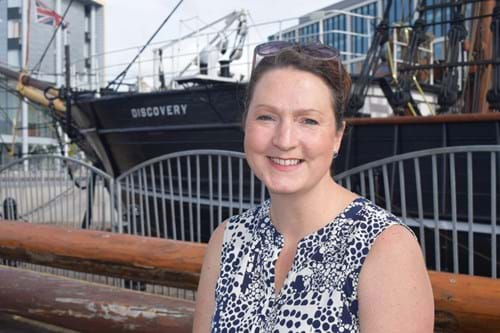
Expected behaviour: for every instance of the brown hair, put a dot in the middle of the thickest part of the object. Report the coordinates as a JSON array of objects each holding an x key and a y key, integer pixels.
[{"x": 332, "y": 72}]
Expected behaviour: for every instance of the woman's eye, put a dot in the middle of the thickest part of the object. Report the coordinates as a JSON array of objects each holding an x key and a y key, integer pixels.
[
  {"x": 309, "y": 121},
  {"x": 264, "y": 117}
]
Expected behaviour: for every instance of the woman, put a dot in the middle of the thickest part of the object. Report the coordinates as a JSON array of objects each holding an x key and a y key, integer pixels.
[{"x": 315, "y": 257}]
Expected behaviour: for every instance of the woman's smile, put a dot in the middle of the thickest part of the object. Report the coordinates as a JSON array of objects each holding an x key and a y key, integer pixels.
[{"x": 285, "y": 164}]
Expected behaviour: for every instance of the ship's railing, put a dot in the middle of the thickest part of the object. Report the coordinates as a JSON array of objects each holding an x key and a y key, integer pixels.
[
  {"x": 441, "y": 194},
  {"x": 348, "y": 31}
]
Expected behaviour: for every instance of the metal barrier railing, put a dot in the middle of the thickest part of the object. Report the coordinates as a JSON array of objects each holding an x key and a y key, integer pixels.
[
  {"x": 171, "y": 195},
  {"x": 436, "y": 191},
  {"x": 57, "y": 190},
  {"x": 185, "y": 195}
]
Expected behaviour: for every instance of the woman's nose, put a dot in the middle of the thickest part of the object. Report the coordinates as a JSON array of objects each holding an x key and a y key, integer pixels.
[{"x": 285, "y": 136}]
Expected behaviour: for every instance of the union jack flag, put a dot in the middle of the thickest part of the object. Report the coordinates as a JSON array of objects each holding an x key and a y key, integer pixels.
[{"x": 48, "y": 16}]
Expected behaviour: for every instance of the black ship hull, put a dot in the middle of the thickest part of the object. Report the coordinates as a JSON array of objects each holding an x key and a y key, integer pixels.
[{"x": 125, "y": 130}]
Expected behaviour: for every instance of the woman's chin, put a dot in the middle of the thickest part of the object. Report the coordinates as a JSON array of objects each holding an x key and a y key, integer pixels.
[{"x": 283, "y": 189}]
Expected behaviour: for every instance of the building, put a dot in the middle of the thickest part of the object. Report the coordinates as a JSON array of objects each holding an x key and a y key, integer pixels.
[
  {"x": 26, "y": 29},
  {"x": 349, "y": 26}
]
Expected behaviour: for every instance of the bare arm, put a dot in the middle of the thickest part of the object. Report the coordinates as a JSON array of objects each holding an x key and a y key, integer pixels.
[
  {"x": 395, "y": 293},
  {"x": 205, "y": 301}
]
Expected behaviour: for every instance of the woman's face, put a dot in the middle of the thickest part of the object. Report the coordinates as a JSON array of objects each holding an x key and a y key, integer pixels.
[{"x": 290, "y": 131}]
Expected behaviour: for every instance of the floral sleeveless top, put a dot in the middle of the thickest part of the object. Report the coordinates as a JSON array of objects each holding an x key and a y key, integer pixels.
[{"x": 320, "y": 291}]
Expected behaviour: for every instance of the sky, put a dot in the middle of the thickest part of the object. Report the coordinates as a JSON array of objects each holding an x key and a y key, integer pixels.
[{"x": 130, "y": 23}]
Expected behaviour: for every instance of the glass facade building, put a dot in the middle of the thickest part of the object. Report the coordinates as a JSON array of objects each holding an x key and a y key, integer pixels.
[{"x": 349, "y": 26}]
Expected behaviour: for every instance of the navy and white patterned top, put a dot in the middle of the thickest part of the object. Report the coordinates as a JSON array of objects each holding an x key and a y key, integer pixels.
[{"x": 320, "y": 291}]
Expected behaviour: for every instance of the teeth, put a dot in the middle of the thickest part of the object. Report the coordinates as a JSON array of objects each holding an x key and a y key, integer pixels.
[{"x": 285, "y": 162}]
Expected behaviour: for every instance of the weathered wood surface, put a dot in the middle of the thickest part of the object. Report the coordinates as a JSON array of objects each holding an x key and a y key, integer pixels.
[
  {"x": 17, "y": 324},
  {"x": 153, "y": 260},
  {"x": 464, "y": 304},
  {"x": 90, "y": 307}
]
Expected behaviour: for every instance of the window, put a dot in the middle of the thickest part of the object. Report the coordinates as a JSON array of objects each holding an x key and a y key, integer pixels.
[
  {"x": 309, "y": 33},
  {"x": 86, "y": 50},
  {"x": 14, "y": 58},
  {"x": 401, "y": 11},
  {"x": 362, "y": 25},
  {"x": 272, "y": 37},
  {"x": 13, "y": 29},
  {"x": 333, "y": 35},
  {"x": 86, "y": 24},
  {"x": 290, "y": 36},
  {"x": 439, "y": 51},
  {"x": 13, "y": 3},
  {"x": 436, "y": 15}
]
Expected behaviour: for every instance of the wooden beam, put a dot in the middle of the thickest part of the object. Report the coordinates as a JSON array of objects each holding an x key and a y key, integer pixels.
[
  {"x": 90, "y": 307},
  {"x": 465, "y": 303},
  {"x": 153, "y": 260}
]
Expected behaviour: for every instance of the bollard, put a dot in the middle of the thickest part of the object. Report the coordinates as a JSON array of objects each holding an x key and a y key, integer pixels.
[
  {"x": 9, "y": 213},
  {"x": 10, "y": 209}
]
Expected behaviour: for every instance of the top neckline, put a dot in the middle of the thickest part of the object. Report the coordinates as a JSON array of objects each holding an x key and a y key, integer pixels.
[{"x": 345, "y": 212}]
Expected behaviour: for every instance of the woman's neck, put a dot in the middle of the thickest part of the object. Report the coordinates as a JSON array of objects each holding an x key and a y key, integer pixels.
[{"x": 297, "y": 215}]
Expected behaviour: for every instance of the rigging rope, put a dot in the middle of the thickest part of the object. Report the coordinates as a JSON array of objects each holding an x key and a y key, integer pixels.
[
  {"x": 28, "y": 37},
  {"x": 121, "y": 76}
]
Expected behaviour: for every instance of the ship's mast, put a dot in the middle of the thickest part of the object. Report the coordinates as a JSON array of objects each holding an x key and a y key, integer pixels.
[
  {"x": 483, "y": 50},
  {"x": 493, "y": 95},
  {"x": 24, "y": 51}
]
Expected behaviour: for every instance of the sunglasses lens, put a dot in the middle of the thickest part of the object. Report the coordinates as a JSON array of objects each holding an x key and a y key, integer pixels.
[
  {"x": 320, "y": 51},
  {"x": 272, "y": 48},
  {"x": 314, "y": 50}
]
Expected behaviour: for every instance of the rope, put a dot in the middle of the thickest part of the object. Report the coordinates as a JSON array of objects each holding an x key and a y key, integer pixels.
[
  {"x": 121, "y": 76},
  {"x": 28, "y": 37}
]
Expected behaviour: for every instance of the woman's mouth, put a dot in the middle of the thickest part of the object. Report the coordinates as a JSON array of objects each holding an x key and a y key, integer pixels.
[{"x": 285, "y": 162}]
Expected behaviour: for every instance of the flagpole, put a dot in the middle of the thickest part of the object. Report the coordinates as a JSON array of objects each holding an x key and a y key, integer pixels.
[
  {"x": 59, "y": 67},
  {"x": 25, "y": 64},
  {"x": 92, "y": 53},
  {"x": 59, "y": 70}
]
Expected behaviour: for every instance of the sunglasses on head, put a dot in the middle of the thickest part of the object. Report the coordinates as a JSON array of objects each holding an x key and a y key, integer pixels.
[{"x": 314, "y": 50}]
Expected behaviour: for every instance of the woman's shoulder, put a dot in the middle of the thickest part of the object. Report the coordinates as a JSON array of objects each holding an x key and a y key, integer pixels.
[
  {"x": 372, "y": 220},
  {"x": 394, "y": 284},
  {"x": 367, "y": 223}
]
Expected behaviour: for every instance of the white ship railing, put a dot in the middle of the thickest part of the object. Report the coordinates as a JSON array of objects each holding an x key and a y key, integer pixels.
[{"x": 144, "y": 75}]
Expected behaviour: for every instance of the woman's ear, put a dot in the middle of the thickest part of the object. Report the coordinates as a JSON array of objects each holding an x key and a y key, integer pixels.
[{"x": 339, "y": 135}]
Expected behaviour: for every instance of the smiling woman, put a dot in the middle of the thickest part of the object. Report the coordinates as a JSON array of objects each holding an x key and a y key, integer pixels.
[{"x": 315, "y": 257}]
